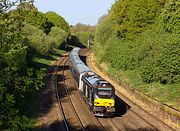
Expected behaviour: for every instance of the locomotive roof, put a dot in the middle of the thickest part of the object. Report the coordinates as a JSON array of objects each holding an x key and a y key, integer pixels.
[
  {"x": 77, "y": 63},
  {"x": 96, "y": 81},
  {"x": 92, "y": 79}
]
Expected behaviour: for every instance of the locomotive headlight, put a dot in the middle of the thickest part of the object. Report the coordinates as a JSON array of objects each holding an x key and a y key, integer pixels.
[{"x": 96, "y": 103}]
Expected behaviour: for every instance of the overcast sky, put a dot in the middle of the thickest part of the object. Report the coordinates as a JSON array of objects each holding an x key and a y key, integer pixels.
[{"x": 74, "y": 11}]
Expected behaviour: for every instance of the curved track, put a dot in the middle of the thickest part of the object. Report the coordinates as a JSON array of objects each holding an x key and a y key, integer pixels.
[
  {"x": 77, "y": 116},
  {"x": 58, "y": 98},
  {"x": 62, "y": 108}
]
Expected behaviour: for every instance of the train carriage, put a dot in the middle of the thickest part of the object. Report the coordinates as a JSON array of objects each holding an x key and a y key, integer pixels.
[{"x": 99, "y": 94}]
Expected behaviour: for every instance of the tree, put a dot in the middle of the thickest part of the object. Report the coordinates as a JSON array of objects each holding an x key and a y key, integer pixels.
[
  {"x": 39, "y": 20},
  {"x": 37, "y": 40},
  {"x": 58, "y": 35},
  {"x": 58, "y": 21},
  {"x": 131, "y": 17},
  {"x": 18, "y": 80},
  {"x": 26, "y": 6},
  {"x": 5, "y": 5},
  {"x": 83, "y": 28},
  {"x": 104, "y": 30}
]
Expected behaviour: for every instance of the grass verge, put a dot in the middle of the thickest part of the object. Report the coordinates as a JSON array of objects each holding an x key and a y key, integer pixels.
[{"x": 48, "y": 59}]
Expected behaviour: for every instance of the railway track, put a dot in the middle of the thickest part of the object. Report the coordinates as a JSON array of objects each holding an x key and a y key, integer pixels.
[
  {"x": 64, "y": 96},
  {"x": 135, "y": 110},
  {"x": 63, "y": 63}
]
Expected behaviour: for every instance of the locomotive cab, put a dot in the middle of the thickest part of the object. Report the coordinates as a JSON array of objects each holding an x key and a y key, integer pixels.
[{"x": 104, "y": 95}]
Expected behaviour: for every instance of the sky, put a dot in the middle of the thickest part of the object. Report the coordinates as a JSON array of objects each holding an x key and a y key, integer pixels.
[{"x": 75, "y": 11}]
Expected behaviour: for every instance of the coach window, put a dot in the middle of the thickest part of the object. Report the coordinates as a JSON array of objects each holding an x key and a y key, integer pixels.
[
  {"x": 90, "y": 95},
  {"x": 86, "y": 91}
]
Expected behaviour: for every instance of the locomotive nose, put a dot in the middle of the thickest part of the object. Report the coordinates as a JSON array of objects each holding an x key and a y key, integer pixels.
[{"x": 104, "y": 102}]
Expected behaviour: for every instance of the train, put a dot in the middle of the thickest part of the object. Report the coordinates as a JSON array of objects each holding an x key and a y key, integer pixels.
[{"x": 98, "y": 93}]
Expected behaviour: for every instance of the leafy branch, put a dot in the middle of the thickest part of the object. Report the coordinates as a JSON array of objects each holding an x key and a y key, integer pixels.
[{"x": 5, "y": 5}]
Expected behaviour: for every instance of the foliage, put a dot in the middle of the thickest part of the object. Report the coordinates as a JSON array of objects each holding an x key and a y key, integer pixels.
[
  {"x": 142, "y": 46},
  {"x": 37, "y": 40},
  {"x": 26, "y": 6},
  {"x": 58, "y": 35},
  {"x": 143, "y": 36},
  {"x": 58, "y": 21},
  {"x": 19, "y": 83},
  {"x": 104, "y": 31},
  {"x": 83, "y": 37},
  {"x": 131, "y": 17},
  {"x": 82, "y": 34},
  {"x": 83, "y": 28},
  {"x": 169, "y": 18},
  {"x": 159, "y": 59},
  {"x": 162, "y": 64},
  {"x": 125, "y": 59},
  {"x": 39, "y": 20},
  {"x": 21, "y": 37},
  {"x": 5, "y": 5}
]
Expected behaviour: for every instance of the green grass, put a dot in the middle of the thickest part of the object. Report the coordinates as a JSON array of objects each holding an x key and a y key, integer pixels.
[
  {"x": 58, "y": 51},
  {"x": 168, "y": 94},
  {"x": 42, "y": 61},
  {"x": 54, "y": 55}
]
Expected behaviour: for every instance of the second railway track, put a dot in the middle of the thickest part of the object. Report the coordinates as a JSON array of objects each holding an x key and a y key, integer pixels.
[{"x": 64, "y": 99}]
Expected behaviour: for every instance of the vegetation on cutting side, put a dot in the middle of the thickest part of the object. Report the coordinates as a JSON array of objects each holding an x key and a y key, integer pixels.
[
  {"x": 141, "y": 38},
  {"x": 24, "y": 42}
]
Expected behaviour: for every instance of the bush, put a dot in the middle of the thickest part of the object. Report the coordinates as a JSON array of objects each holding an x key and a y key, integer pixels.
[
  {"x": 103, "y": 33},
  {"x": 58, "y": 35},
  {"x": 104, "y": 30},
  {"x": 169, "y": 18},
  {"x": 37, "y": 40},
  {"x": 83, "y": 37},
  {"x": 162, "y": 63},
  {"x": 131, "y": 17},
  {"x": 19, "y": 82},
  {"x": 121, "y": 54}
]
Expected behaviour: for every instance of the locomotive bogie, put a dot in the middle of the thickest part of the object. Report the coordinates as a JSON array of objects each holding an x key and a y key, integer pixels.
[{"x": 103, "y": 111}]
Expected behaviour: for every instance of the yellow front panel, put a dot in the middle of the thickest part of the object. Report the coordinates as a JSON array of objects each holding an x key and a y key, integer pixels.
[{"x": 104, "y": 102}]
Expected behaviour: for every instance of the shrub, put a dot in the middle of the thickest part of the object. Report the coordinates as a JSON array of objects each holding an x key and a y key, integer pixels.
[
  {"x": 37, "y": 40},
  {"x": 58, "y": 35},
  {"x": 83, "y": 37},
  {"x": 121, "y": 54},
  {"x": 104, "y": 30}
]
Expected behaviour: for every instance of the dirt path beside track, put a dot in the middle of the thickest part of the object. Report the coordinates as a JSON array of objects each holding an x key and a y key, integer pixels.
[{"x": 48, "y": 117}]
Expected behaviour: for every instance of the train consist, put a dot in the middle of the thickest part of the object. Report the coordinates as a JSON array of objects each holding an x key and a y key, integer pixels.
[{"x": 98, "y": 93}]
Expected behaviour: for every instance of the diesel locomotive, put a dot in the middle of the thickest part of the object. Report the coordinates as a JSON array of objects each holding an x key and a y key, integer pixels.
[{"x": 98, "y": 93}]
